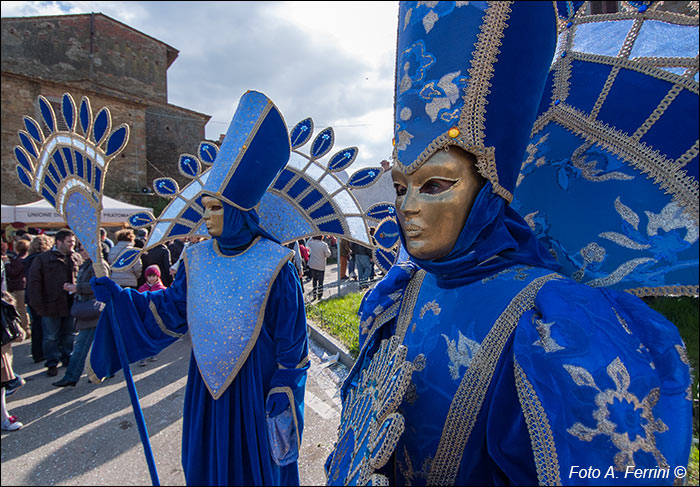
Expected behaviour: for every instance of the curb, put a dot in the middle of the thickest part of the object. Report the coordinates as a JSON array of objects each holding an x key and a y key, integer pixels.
[{"x": 332, "y": 345}]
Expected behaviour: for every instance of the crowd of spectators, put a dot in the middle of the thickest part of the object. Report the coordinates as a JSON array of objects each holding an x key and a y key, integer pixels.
[{"x": 46, "y": 283}]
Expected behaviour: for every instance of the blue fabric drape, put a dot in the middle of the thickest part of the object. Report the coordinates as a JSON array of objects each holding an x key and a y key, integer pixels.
[{"x": 240, "y": 228}]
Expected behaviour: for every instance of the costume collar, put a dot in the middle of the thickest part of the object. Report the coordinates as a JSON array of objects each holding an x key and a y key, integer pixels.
[{"x": 225, "y": 320}]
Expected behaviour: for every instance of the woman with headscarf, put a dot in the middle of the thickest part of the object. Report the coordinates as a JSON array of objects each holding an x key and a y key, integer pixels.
[
  {"x": 520, "y": 375},
  {"x": 239, "y": 297}
]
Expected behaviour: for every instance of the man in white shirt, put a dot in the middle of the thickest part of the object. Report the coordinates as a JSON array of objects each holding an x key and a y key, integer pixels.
[{"x": 318, "y": 253}]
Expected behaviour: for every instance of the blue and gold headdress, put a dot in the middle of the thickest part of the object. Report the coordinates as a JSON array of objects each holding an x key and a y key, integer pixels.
[
  {"x": 482, "y": 94},
  {"x": 255, "y": 150},
  {"x": 295, "y": 195}
]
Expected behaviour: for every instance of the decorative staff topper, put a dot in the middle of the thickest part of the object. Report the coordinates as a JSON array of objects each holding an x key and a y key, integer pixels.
[{"x": 67, "y": 168}]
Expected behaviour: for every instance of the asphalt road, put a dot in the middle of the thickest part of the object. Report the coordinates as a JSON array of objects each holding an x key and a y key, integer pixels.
[{"x": 86, "y": 435}]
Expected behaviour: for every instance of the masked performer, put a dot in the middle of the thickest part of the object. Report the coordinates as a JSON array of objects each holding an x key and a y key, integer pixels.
[
  {"x": 240, "y": 299},
  {"x": 523, "y": 376}
]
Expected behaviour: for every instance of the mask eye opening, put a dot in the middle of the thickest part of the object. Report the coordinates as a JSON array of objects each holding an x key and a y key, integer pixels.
[{"x": 437, "y": 185}]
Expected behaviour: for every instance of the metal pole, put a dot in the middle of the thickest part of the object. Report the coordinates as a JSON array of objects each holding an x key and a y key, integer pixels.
[{"x": 337, "y": 246}]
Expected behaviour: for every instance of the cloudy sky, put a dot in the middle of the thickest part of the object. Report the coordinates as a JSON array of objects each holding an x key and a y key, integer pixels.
[{"x": 332, "y": 61}]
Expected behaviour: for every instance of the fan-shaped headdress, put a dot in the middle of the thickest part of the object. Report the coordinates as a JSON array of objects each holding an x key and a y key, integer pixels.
[{"x": 610, "y": 179}]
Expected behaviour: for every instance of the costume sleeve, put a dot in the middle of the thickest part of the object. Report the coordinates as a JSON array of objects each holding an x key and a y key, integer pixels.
[
  {"x": 148, "y": 323},
  {"x": 286, "y": 394},
  {"x": 604, "y": 386}
]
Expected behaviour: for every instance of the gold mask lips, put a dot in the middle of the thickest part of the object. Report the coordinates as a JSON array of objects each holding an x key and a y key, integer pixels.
[{"x": 434, "y": 201}]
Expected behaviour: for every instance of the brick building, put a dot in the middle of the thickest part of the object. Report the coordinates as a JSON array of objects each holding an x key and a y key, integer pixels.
[{"x": 112, "y": 64}]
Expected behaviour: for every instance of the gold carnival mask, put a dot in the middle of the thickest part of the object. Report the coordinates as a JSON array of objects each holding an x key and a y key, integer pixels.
[
  {"x": 433, "y": 202},
  {"x": 213, "y": 215}
]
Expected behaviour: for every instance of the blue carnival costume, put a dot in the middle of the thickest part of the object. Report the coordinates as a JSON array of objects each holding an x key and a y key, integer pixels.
[
  {"x": 516, "y": 373},
  {"x": 241, "y": 301}
]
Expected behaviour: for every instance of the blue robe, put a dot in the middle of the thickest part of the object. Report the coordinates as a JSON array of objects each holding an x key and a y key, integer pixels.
[
  {"x": 525, "y": 377},
  {"x": 225, "y": 440}
]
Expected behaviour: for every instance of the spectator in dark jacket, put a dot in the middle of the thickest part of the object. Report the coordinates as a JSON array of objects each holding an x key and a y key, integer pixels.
[
  {"x": 141, "y": 238},
  {"x": 86, "y": 327},
  {"x": 175, "y": 247},
  {"x": 159, "y": 256},
  {"x": 17, "y": 282},
  {"x": 40, "y": 243},
  {"x": 49, "y": 272}
]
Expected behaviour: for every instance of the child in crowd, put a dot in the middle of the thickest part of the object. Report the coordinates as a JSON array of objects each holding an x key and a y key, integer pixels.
[{"x": 153, "y": 282}]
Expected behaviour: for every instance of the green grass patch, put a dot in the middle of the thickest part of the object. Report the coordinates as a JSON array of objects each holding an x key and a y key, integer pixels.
[
  {"x": 693, "y": 475},
  {"x": 338, "y": 316},
  {"x": 683, "y": 312}
]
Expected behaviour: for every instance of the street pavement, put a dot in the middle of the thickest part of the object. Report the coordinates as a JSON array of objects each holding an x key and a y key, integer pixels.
[{"x": 86, "y": 435}]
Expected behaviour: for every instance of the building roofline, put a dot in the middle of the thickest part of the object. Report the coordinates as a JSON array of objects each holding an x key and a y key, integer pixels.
[
  {"x": 172, "y": 53},
  {"x": 182, "y": 109}
]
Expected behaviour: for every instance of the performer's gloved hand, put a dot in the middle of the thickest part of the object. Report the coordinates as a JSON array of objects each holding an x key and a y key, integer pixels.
[
  {"x": 276, "y": 404},
  {"x": 104, "y": 288}
]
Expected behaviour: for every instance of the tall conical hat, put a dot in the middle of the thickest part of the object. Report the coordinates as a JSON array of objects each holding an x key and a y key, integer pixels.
[{"x": 471, "y": 74}]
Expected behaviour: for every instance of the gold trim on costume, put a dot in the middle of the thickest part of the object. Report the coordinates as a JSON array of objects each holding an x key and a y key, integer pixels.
[
  {"x": 410, "y": 296},
  {"x": 665, "y": 172},
  {"x": 384, "y": 316},
  {"x": 287, "y": 390},
  {"x": 301, "y": 364},
  {"x": 160, "y": 323},
  {"x": 544, "y": 449},
  {"x": 665, "y": 291},
  {"x": 469, "y": 398},
  {"x": 92, "y": 376},
  {"x": 472, "y": 118}
]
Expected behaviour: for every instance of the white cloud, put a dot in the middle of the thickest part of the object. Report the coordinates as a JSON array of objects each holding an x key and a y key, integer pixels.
[{"x": 332, "y": 61}]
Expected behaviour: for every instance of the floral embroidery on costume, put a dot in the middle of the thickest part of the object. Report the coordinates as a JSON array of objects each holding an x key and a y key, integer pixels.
[{"x": 620, "y": 404}]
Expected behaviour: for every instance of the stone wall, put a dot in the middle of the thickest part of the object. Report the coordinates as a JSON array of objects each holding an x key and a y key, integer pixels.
[
  {"x": 115, "y": 66},
  {"x": 171, "y": 131},
  {"x": 94, "y": 48}
]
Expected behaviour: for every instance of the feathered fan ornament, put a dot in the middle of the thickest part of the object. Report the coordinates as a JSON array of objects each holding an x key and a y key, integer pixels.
[{"x": 68, "y": 169}]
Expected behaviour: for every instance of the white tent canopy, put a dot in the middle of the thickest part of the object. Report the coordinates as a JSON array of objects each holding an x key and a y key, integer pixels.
[{"x": 41, "y": 213}]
